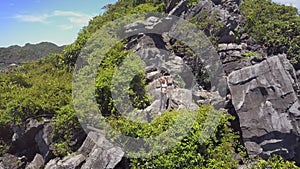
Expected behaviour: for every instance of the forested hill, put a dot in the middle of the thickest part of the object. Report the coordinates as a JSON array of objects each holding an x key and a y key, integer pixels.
[
  {"x": 256, "y": 42},
  {"x": 30, "y": 52}
]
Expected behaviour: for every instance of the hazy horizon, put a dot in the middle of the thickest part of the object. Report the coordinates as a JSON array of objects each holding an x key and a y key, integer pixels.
[{"x": 54, "y": 21}]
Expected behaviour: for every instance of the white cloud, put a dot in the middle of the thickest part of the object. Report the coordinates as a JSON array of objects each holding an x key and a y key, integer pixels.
[
  {"x": 79, "y": 20},
  {"x": 67, "y": 13},
  {"x": 66, "y": 27},
  {"x": 73, "y": 17},
  {"x": 32, "y": 18}
]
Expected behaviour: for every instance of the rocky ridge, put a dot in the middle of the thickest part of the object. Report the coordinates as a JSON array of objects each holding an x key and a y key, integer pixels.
[
  {"x": 263, "y": 95},
  {"x": 15, "y": 55}
]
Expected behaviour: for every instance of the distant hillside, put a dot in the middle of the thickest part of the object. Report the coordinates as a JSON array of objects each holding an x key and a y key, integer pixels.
[{"x": 29, "y": 52}]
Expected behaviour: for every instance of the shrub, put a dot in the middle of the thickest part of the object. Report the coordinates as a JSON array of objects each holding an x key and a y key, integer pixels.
[
  {"x": 195, "y": 150},
  {"x": 276, "y": 26},
  {"x": 275, "y": 162}
]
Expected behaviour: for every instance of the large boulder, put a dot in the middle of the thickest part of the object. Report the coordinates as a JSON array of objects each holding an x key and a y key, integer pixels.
[
  {"x": 180, "y": 8},
  {"x": 95, "y": 152},
  {"x": 266, "y": 103},
  {"x": 52, "y": 164},
  {"x": 9, "y": 161},
  {"x": 42, "y": 139},
  {"x": 103, "y": 153},
  {"x": 30, "y": 138},
  {"x": 75, "y": 161},
  {"x": 23, "y": 139},
  {"x": 37, "y": 162}
]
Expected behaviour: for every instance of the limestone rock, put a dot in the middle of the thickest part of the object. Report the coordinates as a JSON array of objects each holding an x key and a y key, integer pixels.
[
  {"x": 104, "y": 154},
  {"x": 268, "y": 108},
  {"x": 9, "y": 161},
  {"x": 37, "y": 163},
  {"x": 181, "y": 7},
  {"x": 88, "y": 144},
  {"x": 42, "y": 140},
  {"x": 52, "y": 164},
  {"x": 72, "y": 161},
  {"x": 23, "y": 139}
]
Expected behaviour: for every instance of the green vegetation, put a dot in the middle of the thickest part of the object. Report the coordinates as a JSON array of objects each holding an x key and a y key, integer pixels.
[
  {"x": 65, "y": 127},
  {"x": 38, "y": 90},
  {"x": 250, "y": 54},
  {"x": 120, "y": 9},
  {"x": 196, "y": 149},
  {"x": 3, "y": 148},
  {"x": 17, "y": 54},
  {"x": 111, "y": 80},
  {"x": 209, "y": 23},
  {"x": 276, "y": 26},
  {"x": 274, "y": 163},
  {"x": 34, "y": 89},
  {"x": 44, "y": 89},
  {"x": 192, "y": 2}
]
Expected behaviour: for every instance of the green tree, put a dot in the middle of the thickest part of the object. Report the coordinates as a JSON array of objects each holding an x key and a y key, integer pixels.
[
  {"x": 275, "y": 162},
  {"x": 275, "y": 26}
]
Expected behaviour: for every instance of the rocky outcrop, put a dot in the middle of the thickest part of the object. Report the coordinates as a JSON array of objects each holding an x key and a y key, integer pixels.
[
  {"x": 103, "y": 154},
  {"x": 263, "y": 89},
  {"x": 234, "y": 46},
  {"x": 31, "y": 142},
  {"x": 154, "y": 51},
  {"x": 29, "y": 139},
  {"x": 170, "y": 4},
  {"x": 9, "y": 161},
  {"x": 262, "y": 95},
  {"x": 267, "y": 106},
  {"x": 74, "y": 161},
  {"x": 228, "y": 14},
  {"x": 42, "y": 139},
  {"x": 37, "y": 163},
  {"x": 96, "y": 152},
  {"x": 179, "y": 9}
]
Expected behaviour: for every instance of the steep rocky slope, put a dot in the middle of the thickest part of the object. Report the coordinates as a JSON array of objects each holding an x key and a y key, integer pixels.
[{"x": 262, "y": 94}]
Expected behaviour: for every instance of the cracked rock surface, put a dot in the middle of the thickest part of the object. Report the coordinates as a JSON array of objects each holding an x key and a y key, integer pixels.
[{"x": 268, "y": 108}]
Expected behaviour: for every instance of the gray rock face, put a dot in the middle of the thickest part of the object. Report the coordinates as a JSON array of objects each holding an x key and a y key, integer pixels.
[
  {"x": 42, "y": 140},
  {"x": 52, "y": 164},
  {"x": 100, "y": 158},
  {"x": 23, "y": 139},
  {"x": 232, "y": 50},
  {"x": 9, "y": 161},
  {"x": 181, "y": 7},
  {"x": 72, "y": 161},
  {"x": 229, "y": 15},
  {"x": 91, "y": 155},
  {"x": 103, "y": 154},
  {"x": 37, "y": 163},
  {"x": 268, "y": 108},
  {"x": 153, "y": 49},
  {"x": 170, "y": 4},
  {"x": 262, "y": 90}
]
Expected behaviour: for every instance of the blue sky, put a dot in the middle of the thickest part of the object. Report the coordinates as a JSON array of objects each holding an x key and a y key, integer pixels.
[
  {"x": 34, "y": 21},
  {"x": 57, "y": 21},
  {"x": 295, "y": 3}
]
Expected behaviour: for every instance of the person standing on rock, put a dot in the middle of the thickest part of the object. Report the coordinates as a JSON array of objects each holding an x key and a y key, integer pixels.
[{"x": 163, "y": 94}]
